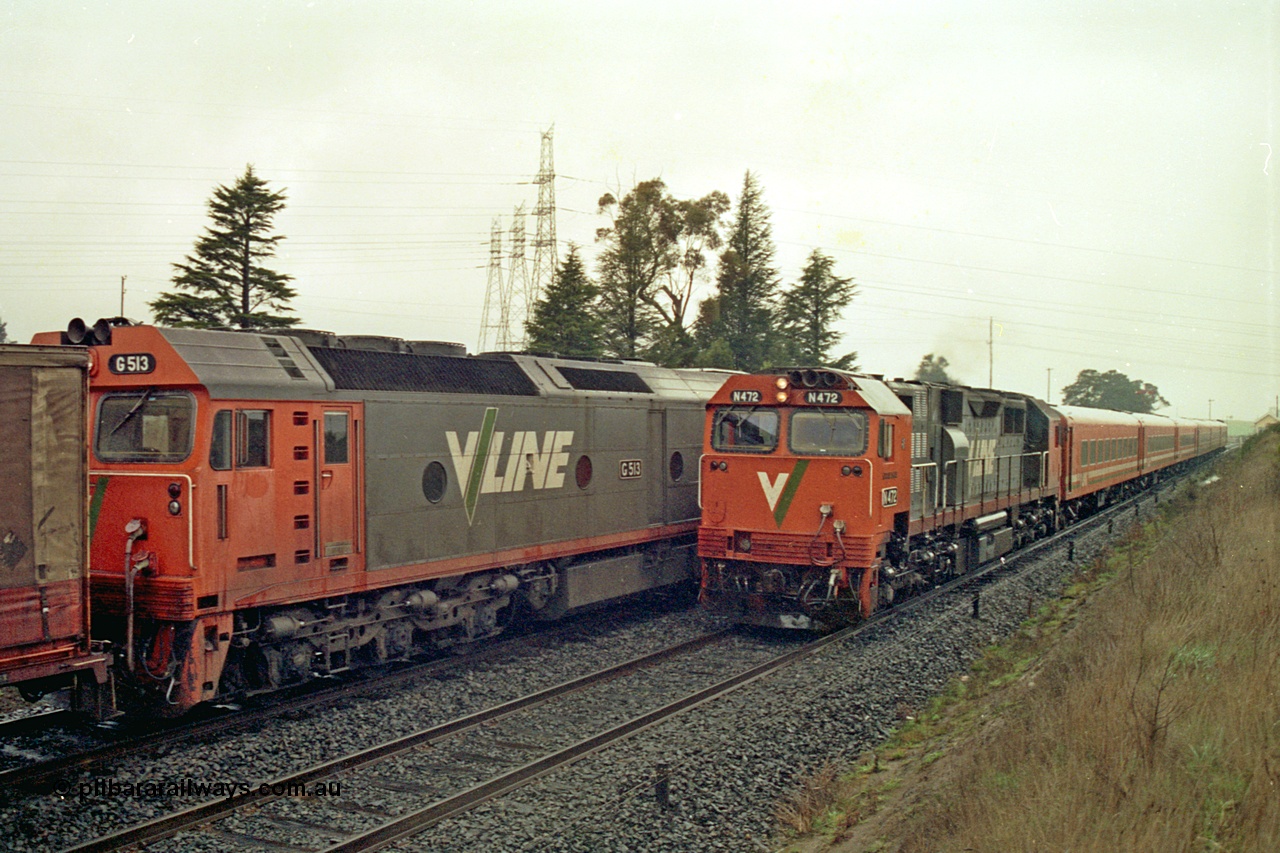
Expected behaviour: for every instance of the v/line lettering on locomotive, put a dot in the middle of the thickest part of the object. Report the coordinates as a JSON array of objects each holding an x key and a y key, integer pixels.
[
  {"x": 540, "y": 464},
  {"x": 271, "y": 507}
]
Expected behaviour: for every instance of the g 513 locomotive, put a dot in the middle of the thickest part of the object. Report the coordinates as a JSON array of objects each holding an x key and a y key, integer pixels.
[
  {"x": 269, "y": 507},
  {"x": 825, "y": 494}
]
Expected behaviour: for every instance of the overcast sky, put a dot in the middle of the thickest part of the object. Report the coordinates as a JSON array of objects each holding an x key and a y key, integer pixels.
[{"x": 1096, "y": 180}]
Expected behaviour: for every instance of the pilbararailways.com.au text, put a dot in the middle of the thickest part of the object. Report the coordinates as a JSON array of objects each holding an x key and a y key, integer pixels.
[{"x": 187, "y": 788}]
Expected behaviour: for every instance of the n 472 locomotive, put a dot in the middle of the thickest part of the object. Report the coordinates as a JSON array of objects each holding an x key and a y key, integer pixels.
[
  {"x": 269, "y": 507},
  {"x": 826, "y": 495}
]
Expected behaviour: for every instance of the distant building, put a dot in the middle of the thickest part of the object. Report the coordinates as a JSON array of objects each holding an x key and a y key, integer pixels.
[
  {"x": 1266, "y": 421},
  {"x": 1238, "y": 431}
]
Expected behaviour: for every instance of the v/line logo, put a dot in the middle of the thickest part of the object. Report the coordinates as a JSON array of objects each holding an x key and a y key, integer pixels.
[
  {"x": 779, "y": 492},
  {"x": 538, "y": 461}
]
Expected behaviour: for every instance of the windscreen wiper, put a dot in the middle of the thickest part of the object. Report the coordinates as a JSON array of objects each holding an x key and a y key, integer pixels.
[{"x": 136, "y": 406}]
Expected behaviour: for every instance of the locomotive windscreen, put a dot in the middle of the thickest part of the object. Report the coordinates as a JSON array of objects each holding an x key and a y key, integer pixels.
[{"x": 385, "y": 371}]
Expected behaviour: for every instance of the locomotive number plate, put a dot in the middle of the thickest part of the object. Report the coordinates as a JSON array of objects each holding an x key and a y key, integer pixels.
[
  {"x": 889, "y": 497},
  {"x": 131, "y": 363},
  {"x": 629, "y": 469},
  {"x": 744, "y": 396},
  {"x": 823, "y": 398}
]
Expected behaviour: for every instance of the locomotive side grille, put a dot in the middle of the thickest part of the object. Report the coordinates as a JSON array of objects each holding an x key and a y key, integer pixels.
[
  {"x": 583, "y": 379},
  {"x": 711, "y": 543},
  {"x": 366, "y": 370}
]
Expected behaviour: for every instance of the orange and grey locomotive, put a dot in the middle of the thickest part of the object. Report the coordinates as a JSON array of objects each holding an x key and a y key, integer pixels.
[
  {"x": 826, "y": 495},
  {"x": 270, "y": 507}
]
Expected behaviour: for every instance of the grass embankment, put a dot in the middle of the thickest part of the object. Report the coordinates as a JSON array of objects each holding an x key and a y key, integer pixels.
[{"x": 1141, "y": 711}]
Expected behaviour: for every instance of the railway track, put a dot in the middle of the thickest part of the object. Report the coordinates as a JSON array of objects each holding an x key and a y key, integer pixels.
[
  {"x": 65, "y": 733},
  {"x": 373, "y": 798}
]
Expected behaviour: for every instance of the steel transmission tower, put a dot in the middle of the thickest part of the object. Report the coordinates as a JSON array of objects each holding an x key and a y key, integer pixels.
[
  {"x": 493, "y": 320},
  {"x": 514, "y": 309},
  {"x": 545, "y": 255},
  {"x": 509, "y": 302}
]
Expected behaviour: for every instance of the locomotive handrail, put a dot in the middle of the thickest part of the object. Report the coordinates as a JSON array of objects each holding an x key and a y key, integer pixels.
[
  {"x": 933, "y": 465},
  {"x": 702, "y": 457}
]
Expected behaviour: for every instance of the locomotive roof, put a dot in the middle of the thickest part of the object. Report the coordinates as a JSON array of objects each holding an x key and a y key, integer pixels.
[{"x": 249, "y": 365}]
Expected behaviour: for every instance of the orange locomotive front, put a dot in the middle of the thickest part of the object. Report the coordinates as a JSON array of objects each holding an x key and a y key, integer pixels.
[
  {"x": 179, "y": 483},
  {"x": 803, "y": 474},
  {"x": 268, "y": 507}
]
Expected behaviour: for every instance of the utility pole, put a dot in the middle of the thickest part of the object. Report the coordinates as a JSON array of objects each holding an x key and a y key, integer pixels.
[
  {"x": 1048, "y": 385},
  {"x": 991, "y": 352},
  {"x": 122, "y": 278}
]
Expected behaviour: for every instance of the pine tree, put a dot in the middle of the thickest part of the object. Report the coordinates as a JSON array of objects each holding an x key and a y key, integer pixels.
[
  {"x": 746, "y": 283},
  {"x": 808, "y": 312},
  {"x": 223, "y": 283},
  {"x": 4, "y": 333},
  {"x": 566, "y": 319}
]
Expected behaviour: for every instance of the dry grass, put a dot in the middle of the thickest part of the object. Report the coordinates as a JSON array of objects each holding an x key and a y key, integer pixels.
[{"x": 1152, "y": 724}]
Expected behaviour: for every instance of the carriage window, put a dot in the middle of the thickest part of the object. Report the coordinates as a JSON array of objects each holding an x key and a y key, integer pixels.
[
  {"x": 335, "y": 438},
  {"x": 828, "y": 431},
  {"x": 253, "y": 438},
  {"x": 220, "y": 448},
  {"x": 745, "y": 430},
  {"x": 145, "y": 426}
]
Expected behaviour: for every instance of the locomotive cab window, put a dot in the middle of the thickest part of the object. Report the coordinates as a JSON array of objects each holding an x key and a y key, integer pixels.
[
  {"x": 1014, "y": 420},
  {"x": 885, "y": 450},
  {"x": 335, "y": 438},
  {"x": 821, "y": 432},
  {"x": 737, "y": 430},
  {"x": 220, "y": 446},
  {"x": 145, "y": 426},
  {"x": 253, "y": 438},
  {"x": 248, "y": 432}
]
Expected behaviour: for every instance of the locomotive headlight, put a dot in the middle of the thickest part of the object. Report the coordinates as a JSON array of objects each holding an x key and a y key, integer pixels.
[
  {"x": 174, "y": 508},
  {"x": 175, "y": 489},
  {"x": 783, "y": 383},
  {"x": 781, "y": 396}
]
